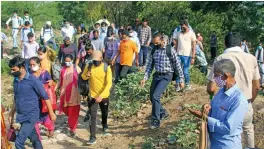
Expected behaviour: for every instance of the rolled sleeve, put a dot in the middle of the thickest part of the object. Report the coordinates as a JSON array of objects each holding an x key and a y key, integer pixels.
[
  {"x": 256, "y": 72},
  {"x": 211, "y": 123}
]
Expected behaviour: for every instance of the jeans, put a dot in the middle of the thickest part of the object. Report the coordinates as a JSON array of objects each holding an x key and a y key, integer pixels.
[
  {"x": 92, "y": 105},
  {"x": 186, "y": 62},
  {"x": 28, "y": 130},
  {"x": 261, "y": 69},
  {"x": 117, "y": 72},
  {"x": 143, "y": 54},
  {"x": 248, "y": 127},
  {"x": 51, "y": 41},
  {"x": 14, "y": 35},
  {"x": 213, "y": 53},
  {"x": 158, "y": 86}
]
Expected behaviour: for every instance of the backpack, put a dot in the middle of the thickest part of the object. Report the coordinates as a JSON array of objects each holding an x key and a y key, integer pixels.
[
  {"x": 23, "y": 29},
  {"x": 55, "y": 71},
  {"x": 83, "y": 85},
  {"x": 168, "y": 53}
]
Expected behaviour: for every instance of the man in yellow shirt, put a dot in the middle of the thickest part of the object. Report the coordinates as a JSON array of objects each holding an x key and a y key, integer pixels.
[
  {"x": 100, "y": 82},
  {"x": 126, "y": 51}
]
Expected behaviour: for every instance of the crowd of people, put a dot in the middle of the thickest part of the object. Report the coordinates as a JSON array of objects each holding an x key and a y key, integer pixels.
[{"x": 90, "y": 62}]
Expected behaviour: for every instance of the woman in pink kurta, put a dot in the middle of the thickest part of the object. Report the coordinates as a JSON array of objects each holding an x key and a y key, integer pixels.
[{"x": 69, "y": 95}]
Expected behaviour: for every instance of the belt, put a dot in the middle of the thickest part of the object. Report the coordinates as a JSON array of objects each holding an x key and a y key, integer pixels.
[
  {"x": 14, "y": 28},
  {"x": 249, "y": 100},
  {"x": 163, "y": 73}
]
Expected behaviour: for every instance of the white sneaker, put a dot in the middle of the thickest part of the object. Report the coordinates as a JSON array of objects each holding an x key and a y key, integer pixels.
[
  {"x": 188, "y": 87},
  {"x": 178, "y": 88}
]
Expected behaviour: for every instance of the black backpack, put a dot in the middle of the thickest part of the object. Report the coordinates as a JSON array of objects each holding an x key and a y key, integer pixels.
[
  {"x": 83, "y": 85},
  {"x": 168, "y": 53}
]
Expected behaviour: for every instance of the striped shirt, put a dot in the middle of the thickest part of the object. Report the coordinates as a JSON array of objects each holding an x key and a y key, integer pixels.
[
  {"x": 144, "y": 35},
  {"x": 162, "y": 63}
]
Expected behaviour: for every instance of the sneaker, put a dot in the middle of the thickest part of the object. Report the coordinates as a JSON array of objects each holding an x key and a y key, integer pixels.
[
  {"x": 87, "y": 118},
  {"x": 105, "y": 128},
  {"x": 91, "y": 141},
  {"x": 188, "y": 87},
  {"x": 178, "y": 88},
  {"x": 155, "y": 124},
  {"x": 164, "y": 116}
]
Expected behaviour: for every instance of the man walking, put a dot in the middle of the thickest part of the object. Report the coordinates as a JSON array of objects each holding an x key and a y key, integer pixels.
[
  {"x": 185, "y": 45},
  {"x": 213, "y": 45},
  {"x": 24, "y": 33},
  {"x": 144, "y": 35},
  {"x": 47, "y": 35},
  {"x": 126, "y": 51},
  {"x": 244, "y": 46},
  {"x": 67, "y": 31},
  {"x": 16, "y": 22},
  {"x": 27, "y": 92},
  {"x": 96, "y": 42},
  {"x": 27, "y": 18},
  {"x": 247, "y": 79},
  {"x": 165, "y": 67}
]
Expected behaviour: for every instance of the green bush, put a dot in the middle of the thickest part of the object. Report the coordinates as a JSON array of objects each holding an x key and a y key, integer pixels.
[
  {"x": 4, "y": 67},
  {"x": 197, "y": 77}
]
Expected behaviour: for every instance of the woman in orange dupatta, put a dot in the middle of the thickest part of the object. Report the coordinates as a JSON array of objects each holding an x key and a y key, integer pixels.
[
  {"x": 4, "y": 140},
  {"x": 69, "y": 95}
]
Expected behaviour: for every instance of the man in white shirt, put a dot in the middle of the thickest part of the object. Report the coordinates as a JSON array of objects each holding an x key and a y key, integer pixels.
[
  {"x": 185, "y": 45},
  {"x": 16, "y": 22},
  {"x": 30, "y": 49},
  {"x": 67, "y": 31},
  {"x": 27, "y": 18},
  {"x": 133, "y": 38},
  {"x": 24, "y": 32},
  {"x": 47, "y": 35}
]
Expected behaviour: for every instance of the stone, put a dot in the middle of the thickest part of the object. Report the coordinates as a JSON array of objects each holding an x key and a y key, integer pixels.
[
  {"x": 261, "y": 111},
  {"x": 61, "y": 137}
]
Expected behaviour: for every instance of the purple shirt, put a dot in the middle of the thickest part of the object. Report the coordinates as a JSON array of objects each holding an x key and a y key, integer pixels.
[{"x": 111, "y": 46}]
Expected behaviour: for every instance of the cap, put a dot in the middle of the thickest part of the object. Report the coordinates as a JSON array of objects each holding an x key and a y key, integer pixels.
[
  {"x": 97, "y": 55},
  {"x": 48, "y": 23}
]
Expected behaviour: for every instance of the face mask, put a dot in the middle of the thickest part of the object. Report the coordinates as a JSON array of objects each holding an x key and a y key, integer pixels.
[
  {"x": 110, "y": 38},
  {"x": 68, "y": 64},
  {"x": 131, "y": 34},
  {"x": 157, "y": 46},
  {"x": 96, "y": 63},
  {"x": 16, "y": 74},
  {"x": 183, "y": 29},
  {"x": 41, "y": 57},
  {"x": 67, "y": 25},
  {"x": 15, "y": 15},
  {"x": 26, "y": 17},
  {"x": 220, "y": 83},
  {"x": 36, "y": 68}
]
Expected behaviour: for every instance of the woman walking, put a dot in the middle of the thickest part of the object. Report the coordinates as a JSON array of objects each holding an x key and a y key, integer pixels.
[{"x": 69, "y": 95}]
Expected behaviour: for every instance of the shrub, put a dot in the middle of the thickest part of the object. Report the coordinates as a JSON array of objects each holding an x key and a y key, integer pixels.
[
  {"x": 197, "y": 77},
  {"x": 4, "y": 67}
]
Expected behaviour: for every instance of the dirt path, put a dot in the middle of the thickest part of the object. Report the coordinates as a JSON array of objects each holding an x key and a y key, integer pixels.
[{"x": 133, "y": 131}]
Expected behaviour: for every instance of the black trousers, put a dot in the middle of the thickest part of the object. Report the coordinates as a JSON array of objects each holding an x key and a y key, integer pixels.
[
  {"x": 213, "y": 52},
  {"x": 93, "y": 112}
]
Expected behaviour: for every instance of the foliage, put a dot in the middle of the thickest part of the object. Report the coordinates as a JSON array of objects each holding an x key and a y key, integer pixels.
[
  {"x": 148, "y": 143},
  {"x": 128, "y": 95},
  {"x": 197, "y": 77},
  {"x": 184, "y": 134},
  {"x": 39, "y": 11},
  {"x": 5, "y": 70}
]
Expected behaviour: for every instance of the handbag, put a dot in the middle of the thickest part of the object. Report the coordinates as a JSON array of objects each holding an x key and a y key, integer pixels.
[
  {"x": 203, "y": 136},
  {"x": 11, "y": 134},
  {"x": 52, "y": 96}
]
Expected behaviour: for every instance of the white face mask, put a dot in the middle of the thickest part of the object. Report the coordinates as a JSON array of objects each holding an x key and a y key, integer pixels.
[
  {"x": 68, "y": 64},
  {"x": 67, "y": 25},
  {"x": 15, "y": 15},
  {"x": 131, "y": 34},
  {"x": 27, "y": 17},
  {"x": 35, "y": 68}
]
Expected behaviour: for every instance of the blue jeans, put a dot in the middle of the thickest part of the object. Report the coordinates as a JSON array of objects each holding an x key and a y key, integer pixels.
[
  {"x": 158, "y": 86},
  {"x": 52, "y": 41},
  {"x": 14, "y": 35},
  {"x": 143, "y": 55},
  {"x": 186, "y": 63},
  {"x": 28, "y": 130}
]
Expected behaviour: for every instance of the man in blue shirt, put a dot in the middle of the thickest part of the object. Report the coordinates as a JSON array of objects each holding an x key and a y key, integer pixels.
[
  {"x": 227, "y": 110},
  {"x": 27, "y": 93}
]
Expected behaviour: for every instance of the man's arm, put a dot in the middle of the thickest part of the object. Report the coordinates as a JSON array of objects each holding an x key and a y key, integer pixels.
[
  {"x": 177, "y": 65},
  {"x": 175, "y": 42},
  {"x": 255, "y": 89},
  {"x": 149, "y": 37},
  {"x": 12, "y": 113},
  {"x": 7, "y": 22},
  {"x": 108, "y": 81},
  {"x": 149, "y": 67}
]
